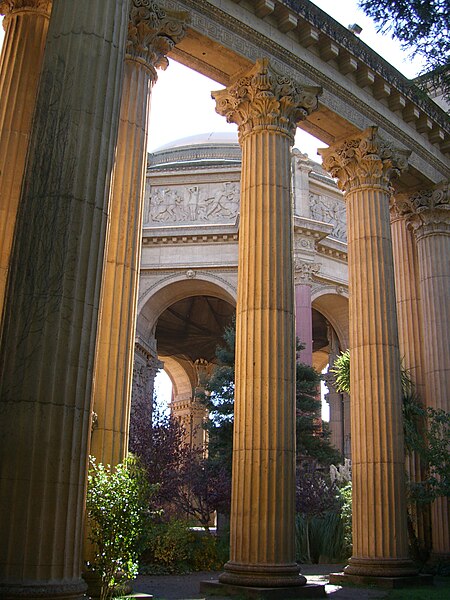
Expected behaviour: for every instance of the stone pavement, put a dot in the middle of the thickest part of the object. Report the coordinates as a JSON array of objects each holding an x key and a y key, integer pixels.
[{"x": 186, "y": 587}]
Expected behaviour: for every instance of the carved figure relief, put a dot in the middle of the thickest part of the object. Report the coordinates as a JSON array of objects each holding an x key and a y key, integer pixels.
[
  {"x": 177, "y": 204},
  {"x": 331, "y": 211}
]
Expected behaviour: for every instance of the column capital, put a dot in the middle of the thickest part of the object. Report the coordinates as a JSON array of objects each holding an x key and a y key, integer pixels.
[
  {"x": 152, "y": 33},
  {"x": 263, "y": 99},
  {"x": 8, "y": 7},
  {"x": 400, "y": 207},
  {"x": 364, "y": 160},
  {"x": 430, "y": 211},
  {"x": 304, "y": 272}
]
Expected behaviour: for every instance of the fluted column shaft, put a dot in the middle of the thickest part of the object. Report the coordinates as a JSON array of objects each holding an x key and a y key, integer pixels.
[
  {"x": 52, "y": 298},
  {"x": 262, "y": 509},
  {"x": 26, "y": 24},
  {"x": 364, "y": 166},
  {"x": 151, "y": 34},
  {"x": 430, "y": 220},
  {"x": 409, "y": 319}
]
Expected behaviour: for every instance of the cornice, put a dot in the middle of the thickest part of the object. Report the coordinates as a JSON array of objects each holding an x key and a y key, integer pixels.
[{"x": 263, "y": 45}]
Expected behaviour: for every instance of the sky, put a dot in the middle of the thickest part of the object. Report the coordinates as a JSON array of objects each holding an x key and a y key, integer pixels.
[{"x": 181, "y": 103}]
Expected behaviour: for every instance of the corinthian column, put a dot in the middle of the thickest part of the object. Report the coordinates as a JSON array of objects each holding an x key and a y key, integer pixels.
[
  {"x": 152, "y": 33},
  {"x": 26, "y": 24},
  {"x": 364, "y": 165},
  {"x": 266, "y": 108},
  {"x": 409, "y": 319},
  {"x": 52, "y": 298},
  {"x": 430, "y": 221}
]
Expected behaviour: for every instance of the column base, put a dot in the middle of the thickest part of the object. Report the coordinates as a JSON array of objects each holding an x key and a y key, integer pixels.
[
  {"x": 381, "y": 582},
  {"x": 44, "y": 591},
  {"x": 381, "y": 567},
  {"x": 216, "y": 588},
  {"x": 262, "y": 575}
]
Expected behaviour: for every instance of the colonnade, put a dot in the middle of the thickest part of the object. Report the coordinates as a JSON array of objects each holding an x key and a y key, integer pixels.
[{"x": 65, "y": 346}]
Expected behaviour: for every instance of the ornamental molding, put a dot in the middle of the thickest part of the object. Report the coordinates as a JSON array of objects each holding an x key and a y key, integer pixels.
[
  {"x": 152, "y": 34},
  {"x": 399, "y": 207},
  {"x": 364, "y": 160},
  {"x": 264, "y": 99},
  {"x": 305, "y": 272},
  {"x": 10, "y": 7},
  {"x": 331, "y": 211},
  {"x": 245, "y": 41},
  {"x": 430, "y": 211}
]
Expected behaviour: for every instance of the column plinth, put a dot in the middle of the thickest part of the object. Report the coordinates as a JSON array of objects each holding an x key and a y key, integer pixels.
[
  {"x": 26, "y": 24},
  {"x": 266, "y": 108},
  {"x": 52, "y": 299},
  {"x": 430, "y": 221},
  {"x": 364, "y": 166}
]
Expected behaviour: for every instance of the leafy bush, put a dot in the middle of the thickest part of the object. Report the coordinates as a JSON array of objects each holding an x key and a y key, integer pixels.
[
  {"x": 174, "y": 547},
  {"x": 117, "y": 509}
]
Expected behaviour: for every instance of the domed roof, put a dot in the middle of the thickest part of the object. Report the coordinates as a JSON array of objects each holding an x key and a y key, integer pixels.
[
  {"x": 221, "y": 137},
  {"x": 196, "y": 151}
]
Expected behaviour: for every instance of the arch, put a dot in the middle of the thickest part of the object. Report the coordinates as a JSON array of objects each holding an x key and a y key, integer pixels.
[
  {"x": 335, "y": 308},
  {"x": 181, "y": 381},
  {"x": 177, "y": 286}
]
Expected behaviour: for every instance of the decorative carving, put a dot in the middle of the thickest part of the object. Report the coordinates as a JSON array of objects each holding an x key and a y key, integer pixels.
[
  {"x": 193, "y": 203},
  {"x": 330, "y": 211},
  {"x": 430, "y": 210},
  {"x": 152, "y": 33},
  {"x": 8, "y": 7},
  {"x": 364, "y": 160},
  {"x": 263, "y": 99},
  {"x": 304, "y": 272},
  {"x": 400, "y": 207},
  {"x": 190, "y": 274}
]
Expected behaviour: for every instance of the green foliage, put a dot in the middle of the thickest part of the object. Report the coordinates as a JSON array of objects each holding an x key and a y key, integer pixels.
[
  {"x": 327, "y": 534},
  {"x": 174, "y": 547},
  {"x": 117, "y": 508},
  {"x": 423, "y": 28},
  {"x": 341, "y": 372}
]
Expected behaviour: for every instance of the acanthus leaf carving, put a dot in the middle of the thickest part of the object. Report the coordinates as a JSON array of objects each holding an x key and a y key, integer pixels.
[
  {"x": 263, "y": 99},
  {"x": 305, "y": 271},
  {"x": 364, "y": 160},
  {"x": 7, "y": 7},
  {"x": 430, "y": 210},
  {"x": 152, "y": 33}
]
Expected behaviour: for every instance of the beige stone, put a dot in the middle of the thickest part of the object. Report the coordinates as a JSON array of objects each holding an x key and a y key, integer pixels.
[
  {"x": 364, "y": 165},
  {"x": 50, "y": 318},
  {"x": 430, "y": 221},
  {"x": 409, "y": 315},
  {"x": 151, "y": 34},
  {"x": 26, "y": 24},
  {"x": 265, "y": 108}
]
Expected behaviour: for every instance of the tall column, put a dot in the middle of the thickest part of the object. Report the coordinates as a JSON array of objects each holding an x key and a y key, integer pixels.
[
  {"x": 430, "y": 222},
  {"x": 26, "y": 24},
  {"x": 364, "y": 165},
  {"x": 52, "y": 299},
  {"x": 409, "y": 319},
  {"x": 334, "y": 398},
  {"x": 266, "y": 107},
  {"x": 152, "y": 33},
  {"x": 303, "y": 319}
]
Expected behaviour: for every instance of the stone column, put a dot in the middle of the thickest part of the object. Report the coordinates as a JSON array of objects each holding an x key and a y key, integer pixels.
[
  {"x": 364, "y": 165},
  {"x": 334, "y": 398},
  {"x": 52, "y": 298},
  {"x": 152, "y": 33},
  {"x": 265, "y": 107},
  {"x": 430, "y": 222},
  {"x": 303, "y": 319},
  {"x": 26, "y": 24},
  {"x": 409, "y": 318}
]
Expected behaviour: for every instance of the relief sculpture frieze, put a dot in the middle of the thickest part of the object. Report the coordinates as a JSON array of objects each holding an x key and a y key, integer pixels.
[
  {"x": 330, "y": 211},
  {"x": 192, "y": 203}
]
